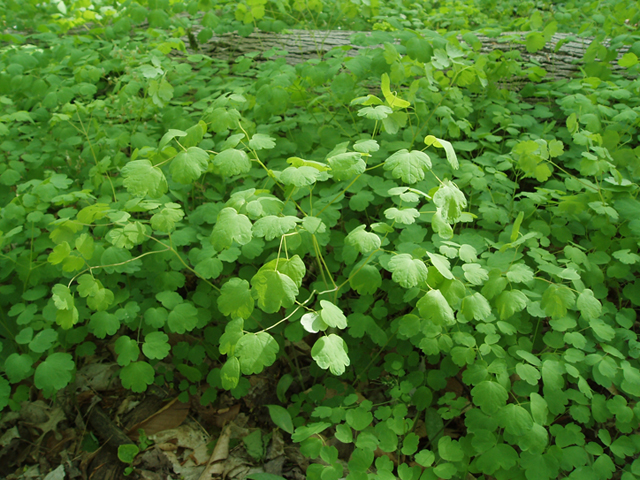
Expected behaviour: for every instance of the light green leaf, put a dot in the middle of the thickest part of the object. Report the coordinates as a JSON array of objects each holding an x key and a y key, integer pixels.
[
  {"x": 172, "y": 132},
  {"x": 435, "y": 308},
  {"x": 183, "y": 318},
  {"x": 232, "y": 333},
  {"x": 515, "y": 419},
  {"x": 127, "y": 350},
  {"x": 165, "y": 221},
  {"x": 313, "y": 323},
  {"x": 449, "y": 449},
  {"x": 313, "y": 225},
  {"x": 232, "y": 162},
  {"x": 408, "y": 166},
  {"x": 43, "y": 340},
  {"x": 230, "y": 227},
  {"x": 345, "y": 166},
  {"x": 281, "y": 417},
  {"x": 375, "y": 113},
  {"x": 363, "y": 242},
  {"x": 366, "y": 146},
  {"x": 293, "y": 267},
  {"x": 407, "y": 271},
  {"x": 489, "y": 396},
  {"x": 235, "y": 299},
  {"x": 256, "y": 351},
  {"x": 405, "y": 216},
  {"x": 230, "y": 373},
  {"x": 392, "y": 99},
  {"x": 156, "y": 345},
  {"x": 273, "y": 290},
  {"x": 137, "y": 376},
  {"x": 54, "y": 373},
  {"x": 448, "y": 149},
  {"x": 556, "y": 299},
  {"x": 626, "y": 257},
  {"x": 450, "y": 200},
  {"x": 535, "y": 41},
  {"x": 627, "y": 60},
  {"x": 475, "y": 307},
  {"x": 510, "y": 302},
  {"x": 59, "y": 254},
  {"x": 103, "y": 324},
  {"x": 331, "y": 352},
  {"x": 332, "y": 315},
  {"x": 300, "y": 176},
  {"x": 589, "y": 306},
  {"x": 528, "y": 373},
  {"x": 142, "y": 178},
  {"x": 442, "y": 265},
  {"x": 366, "y": 280},
  {"x": 520, "y": 273},
  {"x": 209, "y": 268},
  {"x": 84, "y": 245},
  {"x": 260, "y": 141},
  {"x": 188, "y": 166},
  {"x": 18, "y": 367},
  {"x": 475, "y": 274},
  {"x": 272, "y": 226}
]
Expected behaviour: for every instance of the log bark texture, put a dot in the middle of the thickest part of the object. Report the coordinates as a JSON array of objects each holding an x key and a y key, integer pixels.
[{"x": 561, "y": 62}]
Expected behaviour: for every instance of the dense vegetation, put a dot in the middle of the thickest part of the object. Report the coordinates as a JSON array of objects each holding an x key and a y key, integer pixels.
[{"x": 454, "y": 260}]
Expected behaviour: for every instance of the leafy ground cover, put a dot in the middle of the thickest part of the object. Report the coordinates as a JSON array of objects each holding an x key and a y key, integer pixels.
[{"x": 437, "y": 276}]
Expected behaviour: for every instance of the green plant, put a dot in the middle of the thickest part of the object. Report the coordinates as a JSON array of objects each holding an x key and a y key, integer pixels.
[{"x": 456, "y": 257}]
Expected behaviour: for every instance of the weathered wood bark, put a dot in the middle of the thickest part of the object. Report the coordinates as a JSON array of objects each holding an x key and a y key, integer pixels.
[{"x": 302, "y": 45}]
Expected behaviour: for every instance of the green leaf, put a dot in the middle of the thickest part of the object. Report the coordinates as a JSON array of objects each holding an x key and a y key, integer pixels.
[
  {"x": 475, "y": 307},
  {"x": 448, "y": 149},
  {"x": 627, "y": 60},
  {"x": 345, "y": 166},
  {"x": 235, "y": 299},
  {"x": 232, "y": 162},
  {"x": 510, "y": 302},
  {"x": 281, "y": 417},
  {"x": 273, "y": 290},
  {"x": 232, "y": 333},
  {"x": 137, "y": 376},
  {"x": 392, "y": 100},
  {"x": 300, "y": 176},
  {"x": 363, "y": 242},
  {"x": 272, "y": 226},
  {"x": 589, "y": 306},
  {"x": 170, "y": 135},
  {"x": 408, "y": 166},
  {"x": 18, "y": 367},
  {"x": 450, "y": 201},
  {"x": 332, "y": 315},
  {"x": 331, "y": 352},
  {"x": 43, "y": 340},
  {"x": 359, "y": 418},
  {"x": 230, "y": 227},
  {"x": 209, "y": 268},
  {"x": 535, "y": 41},
  {"x": 188, "y": 166},
  {"x": 256, "y": 351},
  {"x": 407, "y": 271},
  {"x": 59, "y": 254},
  {"x": 435, "y": 308},
  {"x": 260, "y": 141},
  {"x": 366, "y": 280},
  {"x": 84, "y": 245},
  {"x": 128, "y": 452},
  {"x": 489, "y": 396},
  {"x": 127, "y": 350},
  {"x": 292, "y": 267},
  {"x": 156, "y": 345},
  {"x": 165, "y": 221},
  {"x": 556, "y": 299},
  {"x": 379, "y": 112},
  {"x": 449, "y": 449},
  {"x": 103, "y": 324},
  {"x": 515, "y": 419},
  {"x": 442, "y": 265},
  {"x": 306, "y": 431},
  {"x": 54, "y": 373},
  {"x": 405, "y": 216},
  {"x": 142, "y": 178},
  {"x": 230, "y": 373},
  {"x": 528, "y": 373},
  {"x": 183, "y": 318}
]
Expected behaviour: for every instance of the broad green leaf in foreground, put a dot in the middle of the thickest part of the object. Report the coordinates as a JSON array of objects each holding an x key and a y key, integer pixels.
[
  {"x": 165, "y": 220},
  {"x": 450, "y": 201},
  {"x": 156, "y": 345},
  {"x": 260, "y": 141},
  {"x": 475, "y": 307},
  {"x": 273, "y": 290},
  {"x": 435, "y": 308},
  {"x": 183, "y": 318},
  {"x": 363, "y": 241},
  {"x": 489, "y": 396},
  {"x": 272, "y": 226},
  {"x": 187, "y": 166},
  {"x": 235, "y": 299},
  {"x": 142, "y": 178},
  {"x": 256, "y": 351},
  {"x": 510, "y": 302},
  {"x": 232, "y": 162},
  {"x": 292, "y": 267},
  {"x": 366, "y": 280},
  {"x": 230, "y": 227},
  {"x": 331, "y": 352},
  {"x": 589, "y": 306},
  {"x": 407, "y": 271},
  {"x": 281, "y": 417},
  {"x": 345, "y": 166},
  {"x": 404, "y": 216},
  {"x": 448, "y": 148},
  {"x": 408, "y": 166},
  {"x": 332, "y": 315},
  {"x": 54, "y": 373},
  {"x": 137, "y": 376},
  {"x": 300, "y": 176},
  {"x": 556, "y": 299}
]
